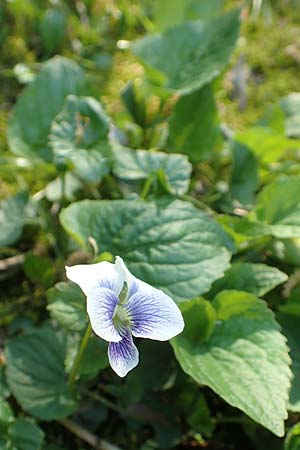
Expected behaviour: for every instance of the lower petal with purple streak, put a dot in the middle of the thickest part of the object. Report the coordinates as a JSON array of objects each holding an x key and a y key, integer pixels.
[{"x": 123, "y": 356}]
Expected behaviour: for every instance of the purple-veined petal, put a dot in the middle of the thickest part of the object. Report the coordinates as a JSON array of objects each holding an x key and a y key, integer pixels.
[
  {"x": 101, "y": 305},
  {"x": 92, "y": 276},
  {"x": 123, "y": 356},
  {"x": 153, "y": 314}
]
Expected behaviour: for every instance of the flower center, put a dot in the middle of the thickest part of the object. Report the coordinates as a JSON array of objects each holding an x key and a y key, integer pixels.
[{"x": 121, "y": 318}]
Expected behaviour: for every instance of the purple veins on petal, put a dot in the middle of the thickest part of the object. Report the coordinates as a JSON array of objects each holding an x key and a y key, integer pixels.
[
  {"x": 153, "y": 314},
  {"x": 101, "y": 305},
  {"x": 123, "y": 355}
]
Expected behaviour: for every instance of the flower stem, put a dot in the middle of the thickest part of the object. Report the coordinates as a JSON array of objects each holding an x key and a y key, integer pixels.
[
  {"x": 147, "y": 186},
  {"x": 86, "y": 436},
  {"x": 79, "y": 356}
]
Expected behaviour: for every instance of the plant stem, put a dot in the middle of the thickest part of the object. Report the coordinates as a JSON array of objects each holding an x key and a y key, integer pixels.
[
  {"x": 198, "y": 203},
  {"x": 87, "y": 436},
  {"x": 146, "y": 187},
  {"x": 79, "y": 356},
  {"x": 106, "y": 402}
]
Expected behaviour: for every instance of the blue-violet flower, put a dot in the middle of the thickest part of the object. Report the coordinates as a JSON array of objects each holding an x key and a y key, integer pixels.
[{"x": 120, "y": 306}]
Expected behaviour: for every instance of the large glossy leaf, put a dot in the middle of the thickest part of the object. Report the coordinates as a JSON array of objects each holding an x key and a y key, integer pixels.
[
  {"x": 186, "y": 57},
  {"x": 12, "y": 215},
  {"x": 67, "y": 305},
  {"x": 169, "y": 244},
  {"x": 35, "y": 374},
  {"x": 194, "y": 124},
  {"x": 255, "y": 278},
  {"x": 278, "y": 205},
  {"x": 172, "y": 170},
  {"x": 245, "y": 360},
  {"x": 39, "y": 103}
]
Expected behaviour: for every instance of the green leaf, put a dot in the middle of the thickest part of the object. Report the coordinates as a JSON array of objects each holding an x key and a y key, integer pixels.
[
  {"x": 53, "y": 29},
  {"x": 6, "y": 415},
  {"x": 79, "y": 135},
  {"x": 4, "y": 389},
  {"x": 12, "y": 216},
  {"x": 268, "y": 145},
  {"x": 67, "y": 305},
  {"x": 173, "y": 12},
  {"x": 288, "y": 317},
  {"x": 35, "y": 374},
  {"x": 39, "y": 269},
  {"x": 245, "y": 361},
  {"x": 257, "y": 279},
  {"x": 188, "y": 56},
  {"x": 291, "y": 107},
  {"x": 278, "y": 205},
  {"x": 292, "y": 440},
  {"x": 94, "y": 358},
  {"x": 200, "y": 319},
  {"x": 39, "y": 103},
  {"x": 25, "y": 435},
  {"x": 63, "y": 186},
  {"x": 169, "y": 13},
  {"x": 244, "y": 230},
  {"x": 169, "y": 244},
  {"x": 194, "y": 126},
  {"x": 173, "y": 170},
  {"x": 244, "y": 177}
]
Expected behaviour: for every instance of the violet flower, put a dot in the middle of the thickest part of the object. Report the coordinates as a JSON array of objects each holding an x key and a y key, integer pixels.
[{"x": 120, "y": 306}]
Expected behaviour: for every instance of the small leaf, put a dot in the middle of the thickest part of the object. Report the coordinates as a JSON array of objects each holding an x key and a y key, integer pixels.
[
  {"x": 288, "y": 317},
  {"x": 278, "y": 205},
  {"x": 140, "y": 164},
  {"x": 292, "y": 440},
  {"x": 67, "y": 305},
  {"x": 39, "y": 269},
  {"x": 39, "y": 103},
  {"x": 257, "y": 279},
  {"x": 53, "y": 29},
  {"x": 291, "y": 106},
  {"x": 63, "y": 186},
  {"x": 12, "y": 216},
  {"x": 268, "y": 145},
  {"x": 6, "y": 415},
  {"x": 79, "y": 135},
  {"x": 35, "y": 374},
  {"x": 169, "y": 244},
  {"x": 244, "y": 177},
  {"x": 245, "y": 360},
  {"x": 194, "y": 127},
  {"x": 188, "y": 56},
  {"x": 25, "y": 435}
]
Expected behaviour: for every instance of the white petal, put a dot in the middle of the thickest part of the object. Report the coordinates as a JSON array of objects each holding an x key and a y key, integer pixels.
[
  {"x": 153, "y": 314},
  {"x": 101, "y": 305},
  {"x": 123, "y": 356},
  {"x": 92, "y": 276},
  {"x": 130, "y": 279}
]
